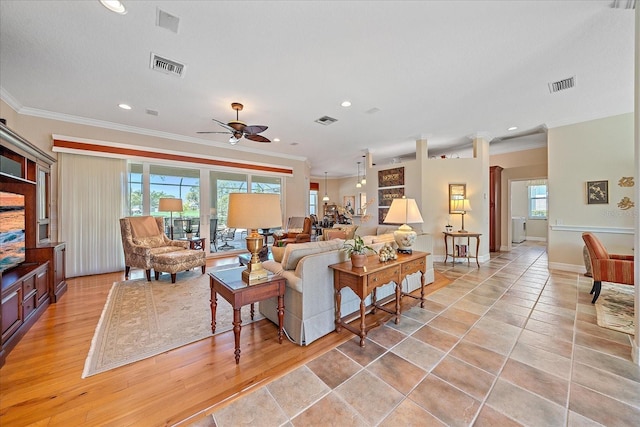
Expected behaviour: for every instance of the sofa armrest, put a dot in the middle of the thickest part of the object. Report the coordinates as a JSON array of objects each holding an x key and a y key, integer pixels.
[{"x": 621, "y": 257}]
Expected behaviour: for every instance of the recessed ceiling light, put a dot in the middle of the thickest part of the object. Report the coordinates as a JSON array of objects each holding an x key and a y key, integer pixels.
[
  {"x": 124, "y": 106},
  {"x": 513, "y": 128},
  {"x": 114, "y": 6},
  {"x": 276, "y": 139},
  {"x": 346, "y": 104}
]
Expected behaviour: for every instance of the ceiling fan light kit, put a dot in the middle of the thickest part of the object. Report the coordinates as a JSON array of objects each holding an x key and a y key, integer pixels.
[{"x": 239, "y": 129}]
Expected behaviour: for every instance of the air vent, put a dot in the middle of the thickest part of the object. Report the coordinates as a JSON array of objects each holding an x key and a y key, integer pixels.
[
  {"x": 152, "y": 112},
  {"x": 326, "y": 120},
  {"x": 562, "y": 84},
  {"x": 167, "y": 21},
  {"x": 166, "y": 66},
  {"x": 372, "y": 110}
]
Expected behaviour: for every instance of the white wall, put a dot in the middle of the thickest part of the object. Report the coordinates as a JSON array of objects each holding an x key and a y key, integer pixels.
[{"x": 596, "y": 150}]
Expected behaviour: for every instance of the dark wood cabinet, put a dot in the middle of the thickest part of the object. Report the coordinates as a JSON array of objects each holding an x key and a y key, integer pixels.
[
  {"x": 24, "y": 297},
  {"x": 495, "y": 193},
  {"x": 29, "y": 286},
  {"x": 54, "y": 253}
]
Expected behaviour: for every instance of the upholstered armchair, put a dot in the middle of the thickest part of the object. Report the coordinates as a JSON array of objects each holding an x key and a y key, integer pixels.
[
  {"x": 606, "y": 267},
  {"x": 143, "y": 237},
  {"x": 294, "y": 234}
]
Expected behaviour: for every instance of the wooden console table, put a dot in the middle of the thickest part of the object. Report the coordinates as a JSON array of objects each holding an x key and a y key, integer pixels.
[
  {"x": 364, "y": 281},
  {"x": 229, "y": 284},
  {"x": 453, "y": 235}
]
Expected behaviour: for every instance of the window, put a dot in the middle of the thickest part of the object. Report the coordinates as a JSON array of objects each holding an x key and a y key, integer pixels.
[
  {"x": 538, "y": 201},
  {"x": 135, "y": 189},
  {"x": 313, "y": 202}
]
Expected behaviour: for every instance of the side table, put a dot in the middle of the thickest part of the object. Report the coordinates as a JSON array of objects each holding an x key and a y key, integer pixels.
[
  {"x": 196, "y": 242},
  {"x": 228, "y": 283},
  {"x": 455, "y": 253},
  {"x": 364, "y": 281}
]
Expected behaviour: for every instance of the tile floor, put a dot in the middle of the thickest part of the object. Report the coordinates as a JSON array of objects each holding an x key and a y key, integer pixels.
[{"x": 508, "y": 344}]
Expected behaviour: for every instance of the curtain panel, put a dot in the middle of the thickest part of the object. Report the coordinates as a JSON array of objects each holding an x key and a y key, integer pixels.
[{"x": 91, "y": 199}]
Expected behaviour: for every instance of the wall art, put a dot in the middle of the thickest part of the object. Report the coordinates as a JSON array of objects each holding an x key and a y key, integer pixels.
[
  {"x": 456, "y": 192},
  {"x": 382, "y": 214},
  {"x": 597, "y": 192},
  {"x": 349, "y": 203},
  {"x": 626, "y": 181},
  {"x": 391, "y": 177},
  {"x": 386, "y": 195},
  {"x": 625, "y": 203}
]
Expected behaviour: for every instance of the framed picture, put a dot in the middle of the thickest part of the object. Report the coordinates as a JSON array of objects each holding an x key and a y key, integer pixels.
[
  {"x": 597, "y": 192},
  {"x": 456, "y": 192},
  {"x": 391, "y": 177},
  {"x": 349, "y": 203},
  {"x": 386, "y": 195}
]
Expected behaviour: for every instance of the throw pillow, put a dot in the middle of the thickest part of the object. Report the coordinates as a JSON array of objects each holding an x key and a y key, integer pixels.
[
  {"x": 150, "y": 241},
  {"x": 335, "y": 234},
  {"x": 277, "y": 252}
]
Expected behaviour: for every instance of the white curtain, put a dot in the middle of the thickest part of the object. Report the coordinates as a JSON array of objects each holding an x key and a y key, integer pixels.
[{"x": 91, "y": 199}]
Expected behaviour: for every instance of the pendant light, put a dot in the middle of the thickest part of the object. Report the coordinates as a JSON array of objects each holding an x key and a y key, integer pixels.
[
  {"x": 326, "y": 197},
  {"x": 364, "y": 175},
  {"x": 358, "y": 185}
]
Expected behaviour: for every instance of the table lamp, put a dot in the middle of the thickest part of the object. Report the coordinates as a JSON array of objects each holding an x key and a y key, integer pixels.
[
  {"x": 253, "y": 211},
  {"x": 404, "y": 211},
  {"x": 170, "y": 205},
  {"x": 462, "y": 206}
]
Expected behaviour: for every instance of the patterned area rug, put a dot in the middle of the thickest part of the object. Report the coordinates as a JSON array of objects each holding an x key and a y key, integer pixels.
[
  {"x": 614, "y": 307},
  {"x": 142, "y": 319}
]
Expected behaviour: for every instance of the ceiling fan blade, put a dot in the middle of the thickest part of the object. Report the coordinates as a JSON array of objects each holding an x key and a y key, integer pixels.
[
  {"x": 253, "y": 129},
  {"x": 224, "y": 125},
  {"x": 257, "y": 138},
  {"x": 227, "y": 133}
]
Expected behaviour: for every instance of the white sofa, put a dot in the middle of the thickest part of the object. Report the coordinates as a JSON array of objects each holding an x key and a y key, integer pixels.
[{"x": 309, "y": 297}]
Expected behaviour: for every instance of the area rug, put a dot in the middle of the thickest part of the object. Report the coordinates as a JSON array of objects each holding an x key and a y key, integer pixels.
[
  {"x": 143, "y": 319},
  {"x": 614, "y": 307}
]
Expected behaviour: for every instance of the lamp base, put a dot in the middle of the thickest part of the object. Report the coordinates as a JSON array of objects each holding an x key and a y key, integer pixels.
[
  {"x": 405, "y": 237},
  {"x": 462, "y": 231},
  {"x": 255, "y": 272}
]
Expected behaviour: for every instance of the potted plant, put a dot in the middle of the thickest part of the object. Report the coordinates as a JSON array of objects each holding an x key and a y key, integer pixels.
[
  {"x": 357, "y": 251},
  {"x": 189, "y": 232}
]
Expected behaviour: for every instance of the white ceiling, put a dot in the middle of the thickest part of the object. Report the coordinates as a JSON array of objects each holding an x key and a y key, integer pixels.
[{"x": 439, "y": 70}]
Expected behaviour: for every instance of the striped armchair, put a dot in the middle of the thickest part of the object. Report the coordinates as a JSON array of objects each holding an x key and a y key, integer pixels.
[{"x": 607, "y": 267}]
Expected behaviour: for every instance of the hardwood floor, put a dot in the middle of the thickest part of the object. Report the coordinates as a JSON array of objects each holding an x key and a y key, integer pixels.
[{"x": 40, "y": 383}]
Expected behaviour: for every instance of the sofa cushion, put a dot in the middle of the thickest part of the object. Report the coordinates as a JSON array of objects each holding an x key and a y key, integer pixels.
[
  {"x": 384, "y": 238},
  {"x": 334, "y": 234},
  {"x": 385, "y": 229},
  {"x": 366, "y": 230},
  {"x": 294, "y": 252}
]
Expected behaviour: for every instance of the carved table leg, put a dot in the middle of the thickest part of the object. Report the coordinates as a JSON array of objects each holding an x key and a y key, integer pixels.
[{"x": 236, "y": 332}]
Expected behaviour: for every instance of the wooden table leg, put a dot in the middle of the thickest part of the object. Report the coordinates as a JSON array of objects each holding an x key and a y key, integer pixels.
[
  {"x": 477, "y": 247},
  {"x": 422, "y": 289},
  {"x": 252, "y": 311},
  {"x": 236, "y": 332},
  {"x": 338, "y": 301},
  {"x": 280, "y": 317},
  {"x": 363, "y": 330},
  {"x": 398, "y": 296},
  {"x": 214, "y": 306}
]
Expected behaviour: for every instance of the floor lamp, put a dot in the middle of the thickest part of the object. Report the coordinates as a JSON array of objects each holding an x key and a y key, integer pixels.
[{"x": 170, "y": 205}]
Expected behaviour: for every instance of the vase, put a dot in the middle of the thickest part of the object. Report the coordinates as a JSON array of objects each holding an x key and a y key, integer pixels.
[{"x": 358, "y": 260}]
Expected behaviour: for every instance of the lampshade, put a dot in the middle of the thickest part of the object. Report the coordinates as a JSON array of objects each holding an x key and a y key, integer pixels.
[
  {"x": 404, "y": 211},
  {"x": 170, "y": 205},
  {"x": 461, "y": 205},
  {"x": 254, "y": 210}
]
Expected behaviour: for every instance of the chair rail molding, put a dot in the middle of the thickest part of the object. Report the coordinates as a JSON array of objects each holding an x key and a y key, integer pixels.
[{"x": 583, "y": 228}]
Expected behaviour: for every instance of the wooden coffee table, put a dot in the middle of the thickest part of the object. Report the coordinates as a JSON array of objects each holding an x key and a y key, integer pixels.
[{"x": 228, "y": 283}]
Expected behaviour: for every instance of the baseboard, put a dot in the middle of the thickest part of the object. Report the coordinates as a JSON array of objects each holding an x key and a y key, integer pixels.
[
  {"x": 537, "y": 239},
  {"x": 574, "y": 268},
  {"x": 635, "y": 351}
]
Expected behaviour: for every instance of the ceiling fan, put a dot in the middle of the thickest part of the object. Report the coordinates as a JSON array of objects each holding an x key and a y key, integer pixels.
[{"x": 238, "y": 129}]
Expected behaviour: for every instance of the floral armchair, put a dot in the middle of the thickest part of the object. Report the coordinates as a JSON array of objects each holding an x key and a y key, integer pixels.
[
  {"x": 606, "y": 267},
  {"x": 142, "y": 238},
  {"x": 294, "y": 234}
]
